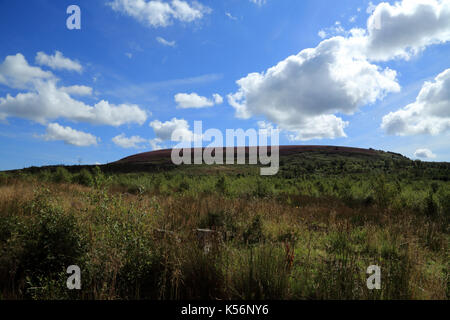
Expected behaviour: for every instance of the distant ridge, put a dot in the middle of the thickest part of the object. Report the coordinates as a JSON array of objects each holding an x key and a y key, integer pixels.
[
  {"x": 160, "y": 160},
  {"x": 165, "y": 154}
]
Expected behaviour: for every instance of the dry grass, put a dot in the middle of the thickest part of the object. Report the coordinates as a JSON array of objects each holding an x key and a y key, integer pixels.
[{"x": 301, "y": 248}]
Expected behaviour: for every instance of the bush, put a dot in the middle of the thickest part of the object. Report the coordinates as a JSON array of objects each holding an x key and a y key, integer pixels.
[
  {"x": 184, "y": 186},
  {"x": 431, "y": 208},
  {"x": 62, "y": 175},
  {"x": 3, "y": 179},
  {"x": 254, "y": 233},
  {"x": 51, "y": 244},
  {"x": 85, "y": 178},
  {"x": 222, "y": 185},
  {"x": 384, "y": 193},
  {"x": 263, "y": 188}
]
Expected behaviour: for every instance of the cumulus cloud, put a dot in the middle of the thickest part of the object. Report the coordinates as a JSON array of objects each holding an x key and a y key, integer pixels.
[
  {"x": 406, "y": 27},
  {"x": 193, "y": 100},
  {"x": 302, "y": 93},
  {"x": 46, "y": 101},
  {"x": 58, "y": 62},
  {"x": 156, "y": 13},
  {"x": 124, "y": 142},
  {"x": 424, "y": 154},
  {"x": 306, "y": 92},
  {"x": 173, "y": 130},
  {"x": 155, "y": 144},
  {"x": 56, "y": 132},
  {"x": 429, "y": 114},
  {"x": 217, "y": 98},
  {"x": 165, "y": 42},
  {"x": 15, "y": 72},
  {"x": 77, "y": 90}
]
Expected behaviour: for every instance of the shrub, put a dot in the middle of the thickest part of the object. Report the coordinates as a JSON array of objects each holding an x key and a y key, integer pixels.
[
  {"x": 140, "y": 275},
  {"x": 3, "y": 178},
  {"x": 52, "y": 243},
  {"x": 99, "y": 178},
  {"x": 184, "y": 186},
  {"x": 384, "y": 193},
  {"x": 254, "y": 234},
  {"x": 62, "y": 175},
  {"x": 263, "y": 188},
  {"x": 85, "y": 178},
  {"x": 431, "y": 208},
  {"x": 222, "y": 185}
]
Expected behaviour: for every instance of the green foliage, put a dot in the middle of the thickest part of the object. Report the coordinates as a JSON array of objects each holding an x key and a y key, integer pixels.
[
  {"x": 222, "y": 185},
  {"x": 184, "y": 186},
  {"x": 263, "y": 188},
  {"x": 85, "y": 178},
  {"x": 62, "y": 175},
  {"x": 307, "y": 233},
  {"x": 263, "y": 274},
  {"x": 431, "y": 207},
  {"x": 254, "y": 233},
  {"x": 384, "y": 192},
  {"x": 51, "y": 243},
  {"x": 3, "y": 178}
]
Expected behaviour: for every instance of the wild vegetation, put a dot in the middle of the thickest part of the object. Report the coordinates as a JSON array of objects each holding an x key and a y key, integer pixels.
[{"x": 224, "y": 232}]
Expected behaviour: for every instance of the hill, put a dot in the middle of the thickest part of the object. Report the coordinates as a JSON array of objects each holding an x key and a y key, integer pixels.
[
  {"x": 144, "y": 228},
  {"x": 295, "y": 161},
  {"x": 284, "y": 151}
]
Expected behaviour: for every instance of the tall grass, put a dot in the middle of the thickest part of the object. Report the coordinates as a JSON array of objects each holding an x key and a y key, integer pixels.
[{"x": 135, "y": 236}]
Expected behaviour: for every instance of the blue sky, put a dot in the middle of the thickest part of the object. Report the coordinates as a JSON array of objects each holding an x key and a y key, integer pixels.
[{"x": 144, "y": 68}]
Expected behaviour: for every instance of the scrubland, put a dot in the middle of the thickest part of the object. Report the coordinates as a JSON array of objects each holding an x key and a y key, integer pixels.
[{"x": 224, "y": 232}]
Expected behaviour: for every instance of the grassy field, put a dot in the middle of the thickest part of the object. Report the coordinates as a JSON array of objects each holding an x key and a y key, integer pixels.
[{"x": 224, "y": 232}]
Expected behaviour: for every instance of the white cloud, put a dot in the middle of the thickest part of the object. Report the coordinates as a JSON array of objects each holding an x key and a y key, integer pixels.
[
  {"x": 302, "y": 93},
  {"x": 334, "y": 30},
  {"x": 58, "y": 62},
  {"x": 77, "y": 90},
  {"x": 173, "y": 130},
  {"x": 132, "y": 142},
  {"x": 129, "y": 55},
  {"x": 258, "y": 2},
  {"x": 156, "y": 13},
  {"x": 217, "y": 98},
  {"x": 424, "y": 153},
  {"x": 267, "y": 127},
  {"x": 55, "y": 132},
  {"x": 229, "y": 15},
  {"x": 193, "y": 100},
  {"x": 407, "y": 27},
  {"x": 155, "y": 144},
  {"x": 370, "y": 8},
  {"x": 165, "y": 42},
  {"x": 15, "y": 72},
  {"x": 46, "y": 101},
  {"x": 429, "y": 114}
]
